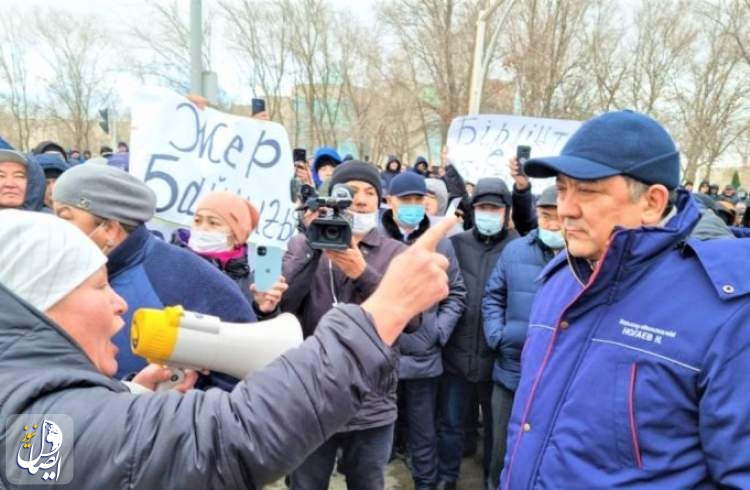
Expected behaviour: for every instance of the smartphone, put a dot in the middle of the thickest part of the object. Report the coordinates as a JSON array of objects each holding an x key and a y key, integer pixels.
[
  {"x": 267, "y": 266},
  {"x": 523, "y": 153},
  {"x": 299, "y": 154},
  {"x": 259, "y": 105}
]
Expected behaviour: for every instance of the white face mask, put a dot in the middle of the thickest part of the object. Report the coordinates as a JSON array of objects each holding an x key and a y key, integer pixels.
[
  {"x": 208, "y": 241},
  {"x": 363, "y": 222}
]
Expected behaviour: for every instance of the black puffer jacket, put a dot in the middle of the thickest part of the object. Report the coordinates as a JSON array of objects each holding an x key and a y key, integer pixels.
[{"x": 467, "y": 353}]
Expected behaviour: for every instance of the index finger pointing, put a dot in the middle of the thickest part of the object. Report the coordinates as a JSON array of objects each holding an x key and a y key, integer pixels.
[{"x": 436, "y": 232}]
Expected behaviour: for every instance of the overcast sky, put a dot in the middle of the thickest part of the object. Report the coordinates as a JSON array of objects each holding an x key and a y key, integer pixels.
[{"x": 117, "y": 15}]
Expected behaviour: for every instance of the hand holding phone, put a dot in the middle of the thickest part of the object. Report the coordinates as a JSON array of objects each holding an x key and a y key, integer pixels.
[
  {"x": 267, "y": 266},
  {"x": 523, "y": 153}
]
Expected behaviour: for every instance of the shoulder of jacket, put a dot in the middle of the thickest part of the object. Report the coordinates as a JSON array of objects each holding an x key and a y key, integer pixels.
[{"x": 723, "y": 260}]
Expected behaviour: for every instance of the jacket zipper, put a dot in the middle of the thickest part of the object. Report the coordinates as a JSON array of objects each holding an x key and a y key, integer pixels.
[
  {"x": 547, "y": 355},
  {"x": 631, "y": 417}
]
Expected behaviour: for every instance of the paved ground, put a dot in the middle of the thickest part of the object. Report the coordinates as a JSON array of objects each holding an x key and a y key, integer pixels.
[{"x": 397, "y": 477}]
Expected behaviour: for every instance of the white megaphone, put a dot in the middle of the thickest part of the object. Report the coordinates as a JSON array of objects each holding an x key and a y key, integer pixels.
[{"x": 187, "y": 340}]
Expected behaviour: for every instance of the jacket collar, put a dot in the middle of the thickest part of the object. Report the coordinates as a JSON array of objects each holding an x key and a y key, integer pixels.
[
  {"x": 391, "y": 228},
  {"x": 489, "y": 240},
  {"x": 129, "y": 253}
]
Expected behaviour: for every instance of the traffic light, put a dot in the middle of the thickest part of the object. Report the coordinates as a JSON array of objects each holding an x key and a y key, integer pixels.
[{"x": 104, "y": 120}]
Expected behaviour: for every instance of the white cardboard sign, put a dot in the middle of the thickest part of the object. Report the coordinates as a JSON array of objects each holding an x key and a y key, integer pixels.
[
  {"x": 183, "y": 153},
  {"x": 480, "y": 146}
]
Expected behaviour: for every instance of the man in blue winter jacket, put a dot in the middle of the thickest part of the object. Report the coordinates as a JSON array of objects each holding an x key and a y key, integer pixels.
[{"x": 631, "y": 374}]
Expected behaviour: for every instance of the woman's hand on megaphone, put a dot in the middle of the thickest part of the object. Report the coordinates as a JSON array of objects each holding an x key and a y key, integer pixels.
[
  {"x": 267, "y": 301},
  {"x": 415, "y": 280},
  {"x": 152, "y": 375}
]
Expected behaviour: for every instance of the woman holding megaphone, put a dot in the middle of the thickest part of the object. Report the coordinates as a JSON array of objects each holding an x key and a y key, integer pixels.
[{"x": 56, "y": 357}]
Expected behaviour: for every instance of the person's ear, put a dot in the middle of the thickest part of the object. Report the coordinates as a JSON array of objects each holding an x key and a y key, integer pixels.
[{"x": 655, "y": 201}]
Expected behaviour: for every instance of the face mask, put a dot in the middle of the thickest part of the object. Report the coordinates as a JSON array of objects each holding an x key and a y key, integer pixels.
[
  {"x": 208, "y": 241},
  {"x": 488, "y": 223},
  {"x": 410, "y": 214},
  {"x": 363, "y": 222},
  {"x": 553, "y": 239}
]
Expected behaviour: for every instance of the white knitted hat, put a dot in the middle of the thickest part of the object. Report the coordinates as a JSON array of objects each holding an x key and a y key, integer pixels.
[{"x": 43, "y": 258}]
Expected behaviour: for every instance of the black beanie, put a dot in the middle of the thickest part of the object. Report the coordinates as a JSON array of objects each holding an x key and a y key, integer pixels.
[{"x": 358, "y": 170}]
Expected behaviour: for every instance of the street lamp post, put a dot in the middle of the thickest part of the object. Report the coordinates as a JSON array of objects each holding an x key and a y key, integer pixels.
[
  {"x": 196, "y": 42},
  {"x": 480, "y": 63}
]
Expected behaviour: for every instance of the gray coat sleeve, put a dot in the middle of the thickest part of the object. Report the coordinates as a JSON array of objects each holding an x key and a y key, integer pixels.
[{"x": 244, "y": 439}]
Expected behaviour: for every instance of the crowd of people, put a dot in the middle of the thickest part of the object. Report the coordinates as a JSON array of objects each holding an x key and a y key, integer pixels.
[{"x": 547, "y": 318}]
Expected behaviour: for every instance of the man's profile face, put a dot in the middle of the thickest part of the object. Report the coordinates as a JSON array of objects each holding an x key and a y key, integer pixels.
[
  {"x": 590, "y": 210},
  {"x": 13, "y": 183},
  {"x": 92, "y": 315},
  {"x": 84, "y": 221},
  {"x": 365, "y": 199}
]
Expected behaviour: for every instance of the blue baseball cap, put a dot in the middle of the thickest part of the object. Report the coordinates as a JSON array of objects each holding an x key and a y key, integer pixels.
[
  {"x": 616, "y": 143},
  {"x": 407, "y": 184}
]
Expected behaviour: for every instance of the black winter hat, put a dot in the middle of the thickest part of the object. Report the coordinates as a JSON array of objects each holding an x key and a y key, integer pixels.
[
  {"x": 358, "y": 170},
  {"x": 491, "y": 190}
]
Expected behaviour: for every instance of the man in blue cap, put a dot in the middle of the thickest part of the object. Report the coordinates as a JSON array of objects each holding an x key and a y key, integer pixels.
[
  {"x": 626, "y": 380},
  {"x": 421, "y": 364}
]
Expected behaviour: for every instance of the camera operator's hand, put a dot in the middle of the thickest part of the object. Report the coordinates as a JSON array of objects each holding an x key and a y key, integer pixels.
[
  {"x": 267, "y": 301},
  {"x": 522, "y": 182},
  {"x": 310, "y": 215},
  {"x": 350, "y": 261},
  {"x": 415, "y": 280}
]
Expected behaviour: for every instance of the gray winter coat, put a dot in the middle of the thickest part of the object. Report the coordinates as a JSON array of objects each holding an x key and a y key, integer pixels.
[{"x": 244, "y": 439}]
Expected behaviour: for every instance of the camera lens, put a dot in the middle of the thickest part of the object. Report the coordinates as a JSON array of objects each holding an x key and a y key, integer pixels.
[
  {"x": 261, "y": 251},
  {"x": 331, "y": 233}
]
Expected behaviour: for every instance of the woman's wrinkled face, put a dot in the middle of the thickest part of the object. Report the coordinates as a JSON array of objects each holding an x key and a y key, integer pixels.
[{"x": 92, "y": 314}]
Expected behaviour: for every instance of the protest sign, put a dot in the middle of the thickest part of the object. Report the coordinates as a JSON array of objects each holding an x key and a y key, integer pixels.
[
  {"x": 182, "y": 153},
  {"x": 480, "y": 146}
]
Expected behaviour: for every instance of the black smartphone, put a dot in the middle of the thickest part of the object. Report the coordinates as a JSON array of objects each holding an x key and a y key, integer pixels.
[
  {"x": 300, "y": 155},
  {"x": 259, "y": 105},
  {"x": 523, "y": 153}
]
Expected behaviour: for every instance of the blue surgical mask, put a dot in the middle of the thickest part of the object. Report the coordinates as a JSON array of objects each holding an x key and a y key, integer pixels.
[
  {"x": 488, "y": 223},
  {"x": 410, "y": 214},
  {"x": 553, "y": 239}
]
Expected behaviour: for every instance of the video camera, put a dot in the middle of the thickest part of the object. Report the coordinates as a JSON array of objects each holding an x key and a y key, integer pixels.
[{"x": 329, "y": 231}]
